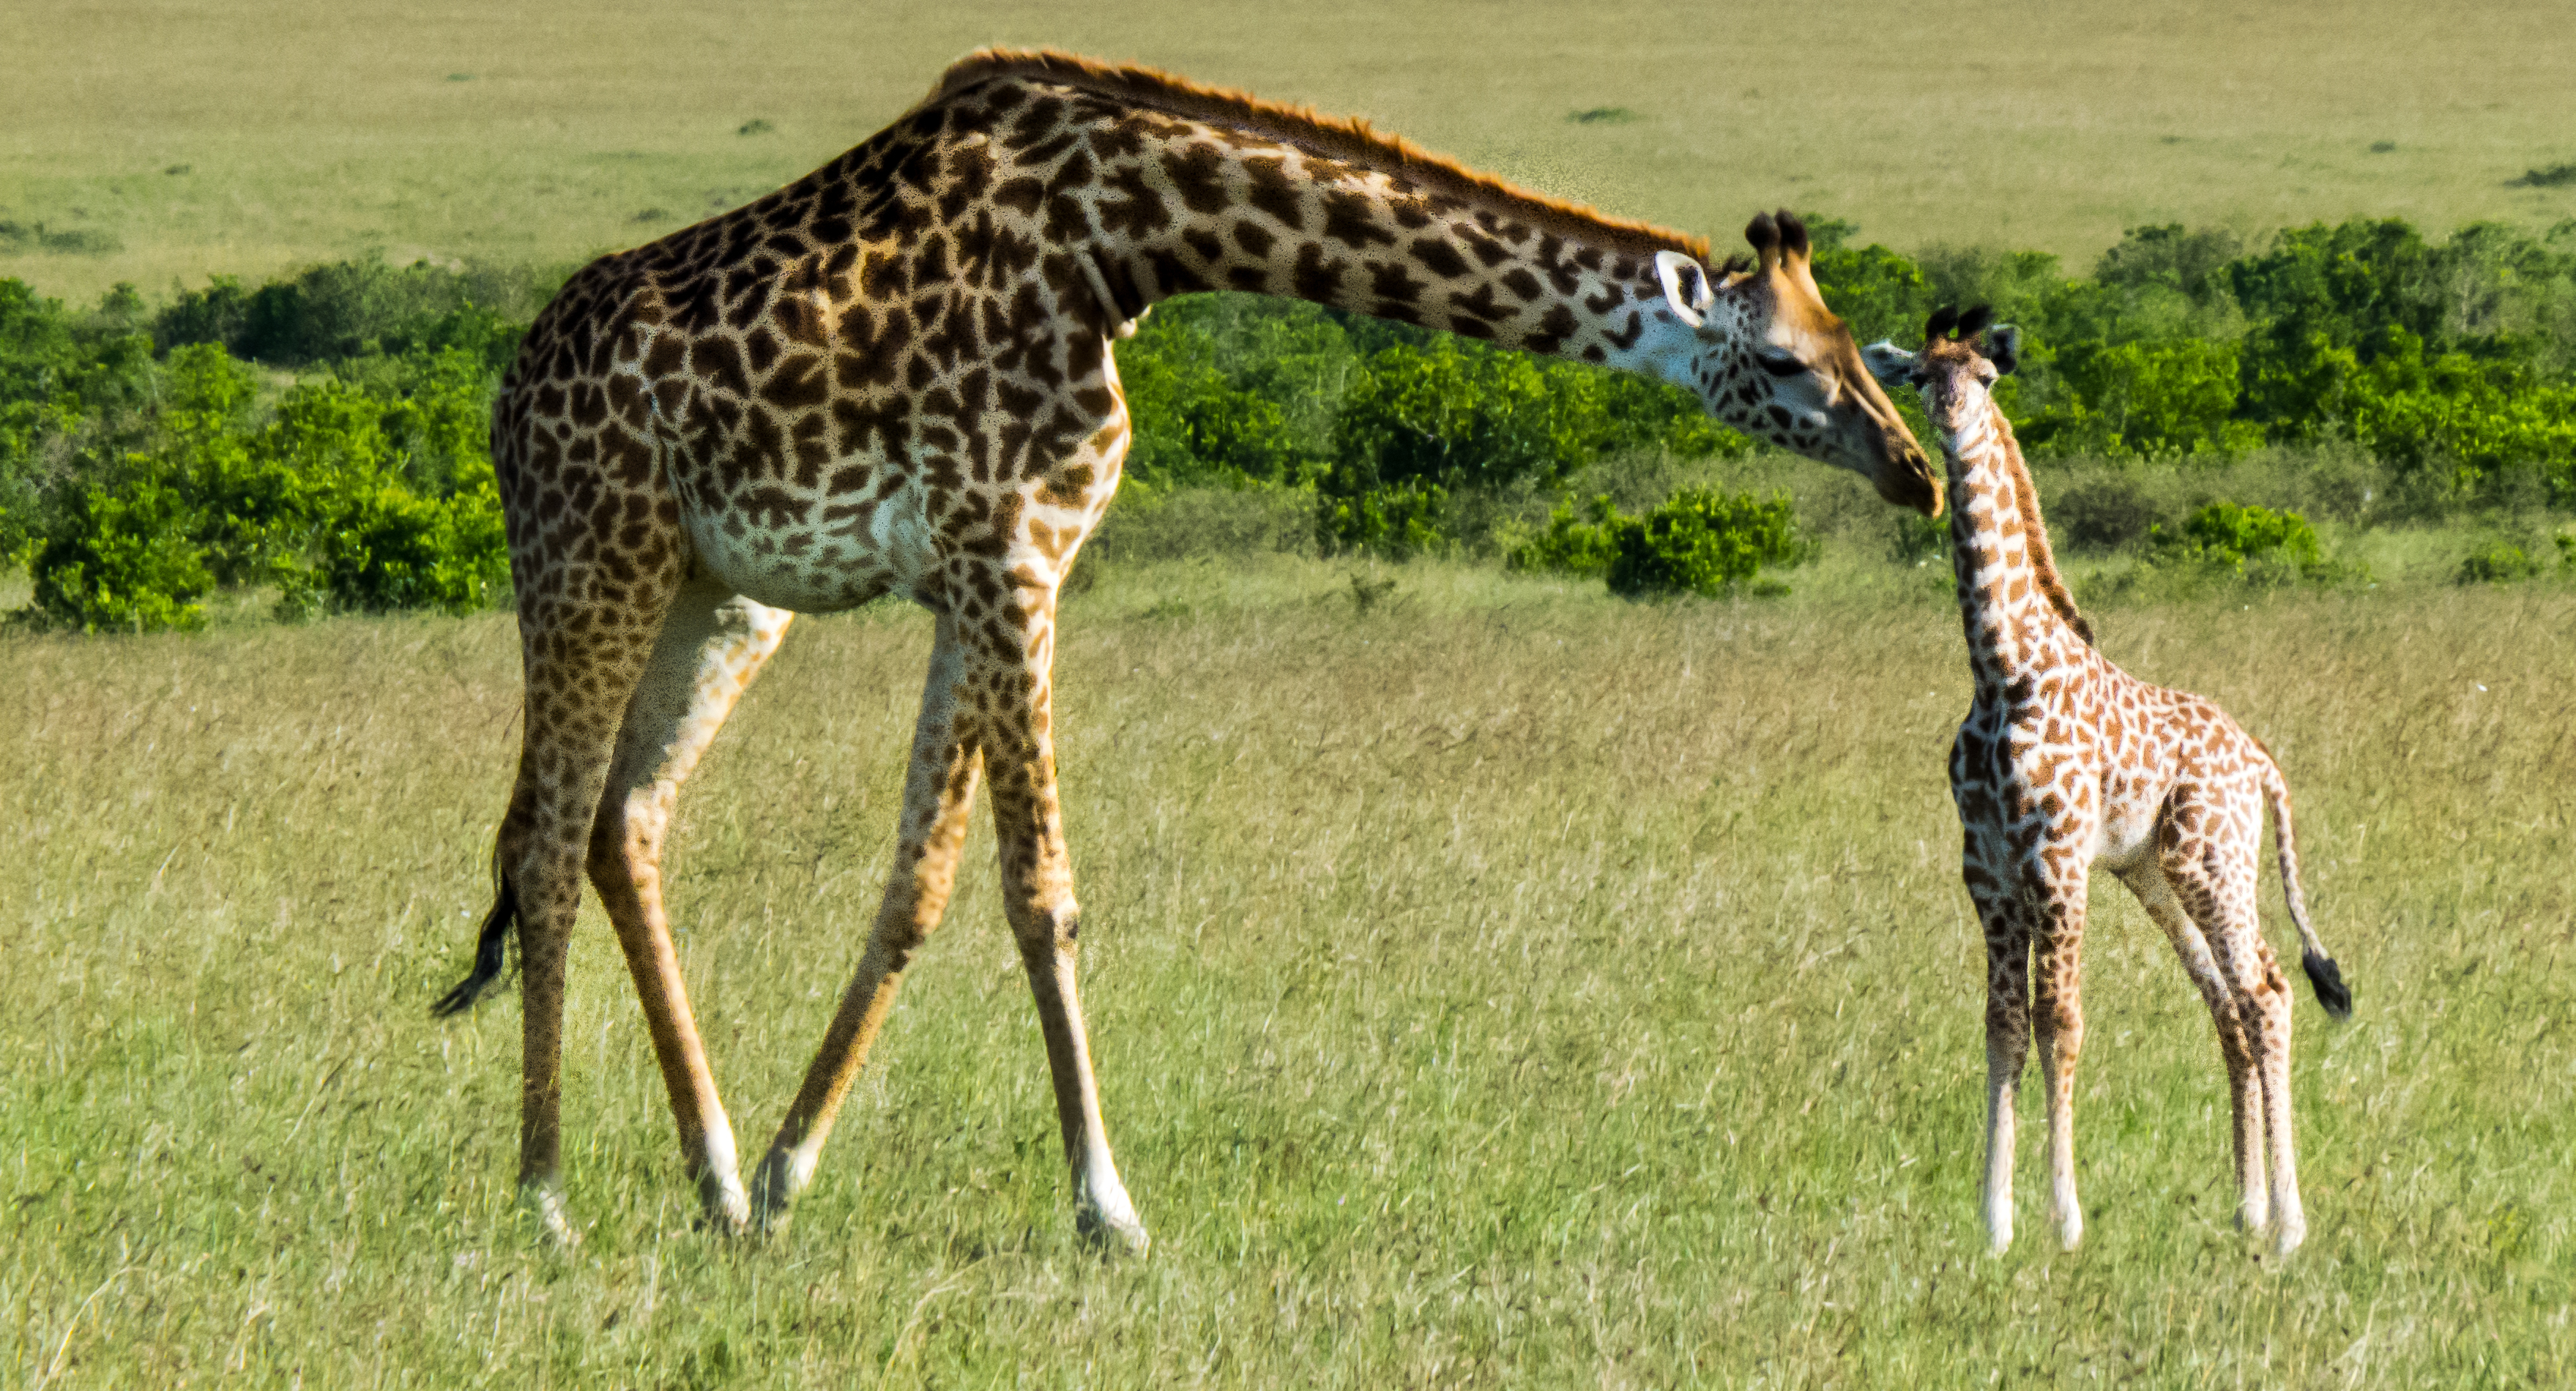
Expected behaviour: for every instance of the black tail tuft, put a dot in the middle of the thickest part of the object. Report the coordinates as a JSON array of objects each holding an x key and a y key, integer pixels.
[
  {"x": 491, "y": 950},
  {"x": 2331, "y": 991}
]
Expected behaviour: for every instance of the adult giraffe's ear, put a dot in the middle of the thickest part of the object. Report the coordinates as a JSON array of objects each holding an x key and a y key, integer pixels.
[
  {"x": 1685, "y": 287},
  {"x": 2003, "y": 348},
  {"x": 1890, "y": 364}
]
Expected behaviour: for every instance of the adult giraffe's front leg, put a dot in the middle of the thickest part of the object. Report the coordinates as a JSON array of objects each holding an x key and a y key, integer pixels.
[
  {"x": 938, "y": 791},
  {"x": 582, "y": 665},
  {"x": 1010, "y": 679}
]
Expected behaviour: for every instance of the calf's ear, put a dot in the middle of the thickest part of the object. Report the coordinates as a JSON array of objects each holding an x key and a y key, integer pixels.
[
  {"x": 2003, "y": 348},
  {"x": 1892, "y": 365}
]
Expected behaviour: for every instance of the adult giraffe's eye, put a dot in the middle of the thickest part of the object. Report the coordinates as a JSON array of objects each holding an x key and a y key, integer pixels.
[{"x": 1779, "y": 362}]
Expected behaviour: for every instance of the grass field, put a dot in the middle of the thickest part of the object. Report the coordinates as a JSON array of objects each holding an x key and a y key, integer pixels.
[
  {"x": 1505, "y": 985},
  {"x": 255, "y": 136}
]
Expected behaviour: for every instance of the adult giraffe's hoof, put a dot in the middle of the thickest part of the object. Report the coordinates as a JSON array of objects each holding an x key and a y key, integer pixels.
[
  {"x": 1122, "y": 1235},
  {"x": 723, "y": 1207},
  {"x": 543, "y": 1202},
  {"x": 773, "y": 1191},
  {"x": 1112, "y": 1226}
]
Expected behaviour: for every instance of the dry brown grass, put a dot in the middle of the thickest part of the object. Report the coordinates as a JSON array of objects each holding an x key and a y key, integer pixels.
[
  {"x": 521, "y": 134},
  {"x": 1506, "y": 985}
]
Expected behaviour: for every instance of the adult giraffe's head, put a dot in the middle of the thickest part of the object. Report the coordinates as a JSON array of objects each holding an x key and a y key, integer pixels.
[{"x": 1771, "y": 360}]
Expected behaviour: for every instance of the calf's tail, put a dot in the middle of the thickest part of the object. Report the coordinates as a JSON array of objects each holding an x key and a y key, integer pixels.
[{"x": 2323, "y": 974}]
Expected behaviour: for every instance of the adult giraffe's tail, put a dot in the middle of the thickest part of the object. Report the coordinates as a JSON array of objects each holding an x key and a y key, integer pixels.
[
  {"x": 491, "y": 947},
  {"x": 2322, "y": 971}
]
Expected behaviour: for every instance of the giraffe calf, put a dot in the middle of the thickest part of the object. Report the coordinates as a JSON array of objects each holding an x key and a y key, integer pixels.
[{"x": 2066, "y": 762}]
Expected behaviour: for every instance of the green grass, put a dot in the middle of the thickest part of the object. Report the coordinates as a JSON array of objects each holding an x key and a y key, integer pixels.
[
  {"x": 258, "y": 136},
  {"x": 1505, "y": 984}
]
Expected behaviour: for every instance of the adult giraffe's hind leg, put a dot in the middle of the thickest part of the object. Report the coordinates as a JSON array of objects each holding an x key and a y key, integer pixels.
[
  {"x": 939, "y": 790},
  {"x": 582, "y": 664},
  {"x": 712, "y": 644}
]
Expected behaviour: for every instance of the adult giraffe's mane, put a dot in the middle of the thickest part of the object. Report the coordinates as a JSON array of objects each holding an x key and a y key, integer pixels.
[{"x": 1348, "y": 139}]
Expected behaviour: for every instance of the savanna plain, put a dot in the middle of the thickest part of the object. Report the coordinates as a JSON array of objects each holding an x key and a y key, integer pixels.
[
  {"x": 1502, "y": 983},
  {"x": 1492, "y": 981}
]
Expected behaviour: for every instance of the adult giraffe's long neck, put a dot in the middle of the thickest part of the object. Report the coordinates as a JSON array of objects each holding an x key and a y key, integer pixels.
[
  {"x": 2013, "y": 602},
  {"x": 1150, "y": 188}
]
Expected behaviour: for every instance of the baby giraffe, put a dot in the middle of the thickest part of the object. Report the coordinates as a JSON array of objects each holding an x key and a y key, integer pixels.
[{"x": 2065, "y": 762}]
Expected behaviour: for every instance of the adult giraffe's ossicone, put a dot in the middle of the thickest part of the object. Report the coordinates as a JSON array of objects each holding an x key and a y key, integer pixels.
[{"x": 894, "y": 376}]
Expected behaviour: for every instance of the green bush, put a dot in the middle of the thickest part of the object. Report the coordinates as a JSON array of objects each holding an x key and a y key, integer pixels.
[
  {"x": 1705, "y": 542},
  {"x": 1193, "y": 426},
  {"x": 1420, "y": 423},
  {"x": 1398, "y": 520},
  {"x": 1573, "y": 544},
  {"x": 2145, "y": 400},
  {"x": 37, "y": 351},
  {"x": 2467, "y": 423},
  {"x": 1877, "y": 292},
  {"x": 2250, "y": 543},
  {"x": 1456, "y": 417},
  {"x": 353, "y": 309},
  {"x": 1699, "y": 541},
  {"x": 216, "y": 314},
  {"x": 2445, "y": 372},
  {"x": 2191, "y": 263},
  {"x": 2239, "y": 533},
  {"x": 2017, "y": 285},
  {"x": 2498, "y": 562},
  {"x": 76, "y": 391},
  {"x": 382, "y": 547},
  {"x": 126, "y": 561},
  {"x": 364, "y": 493},
  {"x": 1230, "y": 390},
  {"x": 2106, "y": 514}
]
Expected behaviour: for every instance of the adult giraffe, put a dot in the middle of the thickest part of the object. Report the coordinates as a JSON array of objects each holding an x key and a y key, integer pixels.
[{"x": 894, "y": 376}]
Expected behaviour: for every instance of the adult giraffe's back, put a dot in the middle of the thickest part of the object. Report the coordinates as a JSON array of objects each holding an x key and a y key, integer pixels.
[{"x": 894, "y": 376}]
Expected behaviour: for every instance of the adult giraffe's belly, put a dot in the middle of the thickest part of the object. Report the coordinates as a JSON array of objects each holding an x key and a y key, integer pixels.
[{"x": 815, "y": 553}]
